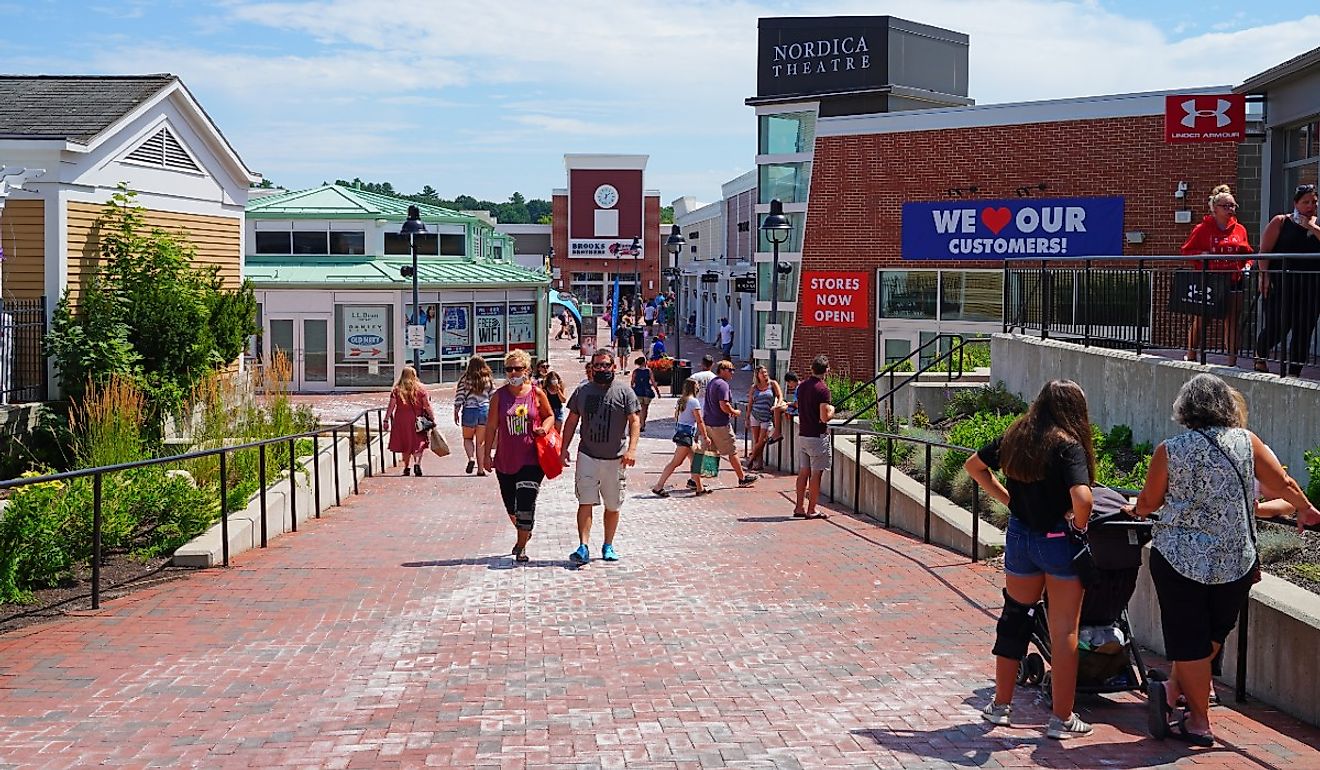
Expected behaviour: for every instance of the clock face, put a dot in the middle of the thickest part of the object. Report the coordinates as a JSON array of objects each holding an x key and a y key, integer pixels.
[{"x": 606, "y": 196}]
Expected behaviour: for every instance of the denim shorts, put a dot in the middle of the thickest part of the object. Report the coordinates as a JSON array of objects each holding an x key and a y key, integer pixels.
[
  {"x": 1028, "y": 553},
  {"x": 475, "y": 415}
]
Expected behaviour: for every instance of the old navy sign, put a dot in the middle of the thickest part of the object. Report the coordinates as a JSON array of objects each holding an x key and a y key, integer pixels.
[
  {"x": 1205, "y": 118},
  {"x": 996, "y": 229}
]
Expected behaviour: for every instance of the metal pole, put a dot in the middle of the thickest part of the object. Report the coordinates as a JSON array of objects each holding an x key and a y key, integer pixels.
[
  {"x": 929, "y": 471},
  {"x": 380, "y": 439},
  {"x": 366, "y": 422},
  {"x": 976, "y": 520},
  {"x": 293, "y": 490},
  {"x": 680, "y": 323},
  {"x": 1141, "y": 302},
  {"x": 224, "y": 509},
  {"x": 774, "y": 304},
  {"x": 857, "y": 474},
  {"x": 96, "y": 542},
  {"x": 1205, "y": 310},
  {"x": 416, "y": 308},
  {"x": 334, "y": 450},
  {"x": 889, "y": 476},
  {"x": 261, "y": 475},
  {"x": 316, "y": 475}
]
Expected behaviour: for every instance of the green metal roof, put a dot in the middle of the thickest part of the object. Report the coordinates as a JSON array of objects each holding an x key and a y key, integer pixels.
[
  {"x": 269, "y": 272},
  {"x": 339, "y": 202}
]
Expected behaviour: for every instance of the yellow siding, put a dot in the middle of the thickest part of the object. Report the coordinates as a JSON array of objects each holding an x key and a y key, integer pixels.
[
  {"x": 23, "y": 233},
  {"x": 218, "y": 240}
]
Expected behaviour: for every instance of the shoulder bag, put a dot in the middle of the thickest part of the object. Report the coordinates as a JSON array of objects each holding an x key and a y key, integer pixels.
[
  {"x": 1246, "y": 498},
  {"x": 550, "y": 445}
]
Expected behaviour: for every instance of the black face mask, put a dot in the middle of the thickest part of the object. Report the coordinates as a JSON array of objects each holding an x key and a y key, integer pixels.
[{"x": 602, "y": 377}]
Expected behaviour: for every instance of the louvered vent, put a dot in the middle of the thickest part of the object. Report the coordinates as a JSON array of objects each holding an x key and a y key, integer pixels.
[{"x": 162, "y": 149}]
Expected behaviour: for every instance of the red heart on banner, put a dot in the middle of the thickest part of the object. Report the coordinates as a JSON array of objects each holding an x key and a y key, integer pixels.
[{"x": 996, "y": 219}]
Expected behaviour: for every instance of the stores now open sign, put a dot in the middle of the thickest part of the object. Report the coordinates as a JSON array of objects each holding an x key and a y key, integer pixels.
[{"x": 832, "y": 298}]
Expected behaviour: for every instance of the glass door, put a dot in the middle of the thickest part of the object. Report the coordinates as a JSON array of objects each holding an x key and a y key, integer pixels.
[{"x": 305, "y": 342}]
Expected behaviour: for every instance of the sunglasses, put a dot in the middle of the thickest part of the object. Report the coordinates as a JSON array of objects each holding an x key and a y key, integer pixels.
[
  {"x": 1304, "y": 188},
  {"x": 515, "y": 368},
  {"x": 601, "y": 366}
]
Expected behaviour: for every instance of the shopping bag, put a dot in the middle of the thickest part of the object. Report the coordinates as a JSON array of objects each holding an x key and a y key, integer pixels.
[
  {"x": 710, "y": 465},
  {"x": 1196, "y": 293},
  {"x": 424, "y": 423},
  {"x": 437, "y": 443},
  {"x": 548, "y": 453}
]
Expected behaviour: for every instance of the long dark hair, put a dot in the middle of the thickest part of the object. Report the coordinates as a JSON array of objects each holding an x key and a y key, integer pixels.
[{"x": 1058, "y": 416}]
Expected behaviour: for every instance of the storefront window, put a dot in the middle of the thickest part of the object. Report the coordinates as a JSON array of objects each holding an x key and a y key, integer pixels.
[
  {"x": 789, "y": 132},
  {"x": 274, "y": 243},
  {"x": 971, "y": 296},
  {"x": 786, "y": 181},
  {"x": 428, "y": 244},
  {"x": 897, "y": 349},
  {"x": 364, "y": 339},
  {"x": 1301, "y": 142},
  {"x": 794, "y": 242},
  {"x": 311, "y": 243},
  {"x": 351, "y": 243},
  {"x": 908, "y": 294}
]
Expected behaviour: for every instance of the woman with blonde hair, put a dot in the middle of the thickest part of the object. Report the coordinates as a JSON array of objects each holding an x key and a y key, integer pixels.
[
  {"x": 687, "y": 426},
  {"x": 1220, "y": 233},
  {"x": 471, "y": 407},
  {"x": 762, "y": 398},
  {"x": 408, "y": 401},
  {"x": 1048, "y": 461},
  {"x": 522, "y": 413},
  {"x": 1203, "y": 551}
]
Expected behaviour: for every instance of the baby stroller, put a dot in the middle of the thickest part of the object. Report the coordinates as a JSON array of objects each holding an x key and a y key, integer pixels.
[{"x": 1108, "y": 659}]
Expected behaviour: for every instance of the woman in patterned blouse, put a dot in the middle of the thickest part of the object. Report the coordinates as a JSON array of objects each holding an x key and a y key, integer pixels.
[{"x": 1203, "y": 556}]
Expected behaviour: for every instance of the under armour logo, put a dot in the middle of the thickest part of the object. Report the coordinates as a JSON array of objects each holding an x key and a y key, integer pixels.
[{"x": 1191, "y": 114}]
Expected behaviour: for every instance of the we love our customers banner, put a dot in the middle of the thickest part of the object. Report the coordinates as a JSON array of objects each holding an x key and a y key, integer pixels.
[{"x": 1022, "y": 227}]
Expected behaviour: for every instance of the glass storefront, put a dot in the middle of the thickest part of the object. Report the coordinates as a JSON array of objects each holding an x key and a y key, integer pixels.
[
  {"x": 364, "y": 340},
  {"x": 788, "y": 132},
  {"x": 788, "y": 283},
  {"x": 794, "y": 243},
  {"x": 971, "y": 295},
  {"x": 909, "y": 294},
  {"x": 789, "y": 182}
]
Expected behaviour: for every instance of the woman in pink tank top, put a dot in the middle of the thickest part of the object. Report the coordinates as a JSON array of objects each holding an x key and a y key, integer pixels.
[{"x": 519, "y": 413}]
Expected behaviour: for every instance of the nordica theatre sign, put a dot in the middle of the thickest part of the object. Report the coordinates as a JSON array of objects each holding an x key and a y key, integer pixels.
[{"x": 819, "y": 55}]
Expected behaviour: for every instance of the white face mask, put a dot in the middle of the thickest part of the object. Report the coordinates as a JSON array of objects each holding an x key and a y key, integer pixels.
[{"x": 517, "y": 381}]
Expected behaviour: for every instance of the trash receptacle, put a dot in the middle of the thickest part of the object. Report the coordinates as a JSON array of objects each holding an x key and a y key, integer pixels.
[
  {"x": 639, "y": 339},
  {"x": 679, "y": 374}
]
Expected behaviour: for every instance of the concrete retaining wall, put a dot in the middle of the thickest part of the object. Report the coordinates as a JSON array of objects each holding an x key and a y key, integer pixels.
[
  {"x": 1123, "y": 388},
  {"x": 206, "y": 550}
]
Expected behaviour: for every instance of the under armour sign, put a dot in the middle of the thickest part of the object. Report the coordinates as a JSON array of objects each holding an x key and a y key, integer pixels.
[{"x": 1205, "y": 118}]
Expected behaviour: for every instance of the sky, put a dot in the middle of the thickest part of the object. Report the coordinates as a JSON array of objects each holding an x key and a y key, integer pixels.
[{"x": 484, "y": 99}]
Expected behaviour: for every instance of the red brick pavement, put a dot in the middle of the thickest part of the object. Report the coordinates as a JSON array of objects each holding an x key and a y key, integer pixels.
[{"x": 397, "y": 632}]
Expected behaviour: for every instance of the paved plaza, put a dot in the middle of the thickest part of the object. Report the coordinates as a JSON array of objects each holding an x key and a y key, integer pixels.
[{"x": 397, "y": 632}]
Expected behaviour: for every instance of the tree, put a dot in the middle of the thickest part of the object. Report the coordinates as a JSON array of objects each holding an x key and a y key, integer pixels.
[
  {"x": 666, "y": 215},
  {"x": 150, "y": 313}
]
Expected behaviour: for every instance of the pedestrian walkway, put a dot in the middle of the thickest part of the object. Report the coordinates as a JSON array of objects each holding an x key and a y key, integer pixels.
[{"x": 398, "y": 632}]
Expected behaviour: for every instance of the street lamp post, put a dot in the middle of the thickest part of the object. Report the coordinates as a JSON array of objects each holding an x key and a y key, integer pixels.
[
  {"x": 411, "y": 227},
  {"x": 675, "y": 243},
  {"x": 777, "y": 228}
]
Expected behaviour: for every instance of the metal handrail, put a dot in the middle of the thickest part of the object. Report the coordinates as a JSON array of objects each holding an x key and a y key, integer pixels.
[
  {"x": 223, "y": 452},
  {"x": 914, "y": 376}
]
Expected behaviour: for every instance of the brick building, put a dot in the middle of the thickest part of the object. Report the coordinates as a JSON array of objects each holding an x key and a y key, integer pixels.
[{"x": 983, "y": 159}]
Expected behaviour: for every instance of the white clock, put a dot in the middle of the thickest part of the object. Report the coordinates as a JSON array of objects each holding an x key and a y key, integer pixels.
[{"x": 606, "y": 196}]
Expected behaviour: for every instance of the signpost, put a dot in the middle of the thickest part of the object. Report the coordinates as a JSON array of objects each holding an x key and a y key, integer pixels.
[
  {"x": 774, "y": 336},
  {"x": 416, "y": 337}
]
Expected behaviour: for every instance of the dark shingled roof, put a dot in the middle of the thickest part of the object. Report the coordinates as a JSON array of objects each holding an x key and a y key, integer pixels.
[{"x": 72, "y": 107}]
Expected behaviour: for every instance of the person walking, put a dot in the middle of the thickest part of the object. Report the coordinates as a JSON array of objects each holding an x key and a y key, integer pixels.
[
  {"x": 553, "y": 385},
  {"x": 1204, "y": 558},
  {"x": 522, "y": 413},
  {"x": 762, "y": 398},
  {"x": 703, "y": 377},
  {"x": 649, "y": 314},
  {"x": 815, "y": 449},
  {"x": 1291, "y": 292},
  {"x": 688, "y": 425},
  {"x": 1048, "y": 460},
  {"x": 643, "y": 386},
  {"x": 607, "y": 410},
  {"x": 718, "y": 410},
  {"x": 1220, "y": 233},
  {"x": 726, "y": 339},
  {"x": 623, "y": 340},
  {"x": 408, "y": 401},
  {"x": 471, "y": 408}
]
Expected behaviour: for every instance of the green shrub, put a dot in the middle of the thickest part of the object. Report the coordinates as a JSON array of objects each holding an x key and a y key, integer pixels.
[
  {"x": 997, "y": 399},
  {"x": 973, "y": 433},
  {"x": 38, "y": 545},
  {"x": 974, "y": 356},
  {"x": 1313, "y": 475},
  {"x": 108, "y": 422}
]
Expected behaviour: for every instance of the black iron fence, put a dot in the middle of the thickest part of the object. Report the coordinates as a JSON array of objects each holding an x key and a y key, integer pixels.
[
  {"x": 1173, "y": 304},
  {"x": 375, "y": 459},
  {"x": 22, "y": 361}
]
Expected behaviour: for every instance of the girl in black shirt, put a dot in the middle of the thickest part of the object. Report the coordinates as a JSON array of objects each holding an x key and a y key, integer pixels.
[{"x": 1048, "y": 462}]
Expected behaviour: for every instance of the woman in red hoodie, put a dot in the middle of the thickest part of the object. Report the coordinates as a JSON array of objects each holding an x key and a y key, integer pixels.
[{"x": 1221, "y": 233}]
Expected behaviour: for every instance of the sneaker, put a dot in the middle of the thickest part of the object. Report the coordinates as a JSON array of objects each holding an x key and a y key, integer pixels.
[
  {"x": 1061, "y": 730},
  {"x": 417, "y": 470},
  {"x": 608, "y": 553},
  {"x": 472, "y": 464},
  {"x": 581, "y": 556},
  {"x": 691, "y": 484},
  {"x": 748, "y": 480},
  {"x": 998, "y": 714}
]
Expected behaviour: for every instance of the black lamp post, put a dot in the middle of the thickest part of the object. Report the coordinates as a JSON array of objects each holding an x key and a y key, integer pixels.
[
  {"x": 675, "y": 243},
  {"x": 411, "y": 227},
  {"x": 777, "y": 229}
]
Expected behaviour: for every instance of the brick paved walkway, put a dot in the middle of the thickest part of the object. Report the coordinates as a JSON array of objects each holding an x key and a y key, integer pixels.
[{"x": 397, "y": 632}]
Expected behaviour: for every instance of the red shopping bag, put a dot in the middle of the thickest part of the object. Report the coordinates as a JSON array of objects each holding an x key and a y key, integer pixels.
[{"x": 548, "y": 448}]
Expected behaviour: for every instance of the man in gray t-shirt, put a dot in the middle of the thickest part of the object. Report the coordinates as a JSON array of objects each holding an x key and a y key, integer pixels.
[{"x": 607, "y": 410}]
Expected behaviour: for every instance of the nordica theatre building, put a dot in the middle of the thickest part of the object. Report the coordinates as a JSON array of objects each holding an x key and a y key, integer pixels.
[{"x": 905, "y": 197}]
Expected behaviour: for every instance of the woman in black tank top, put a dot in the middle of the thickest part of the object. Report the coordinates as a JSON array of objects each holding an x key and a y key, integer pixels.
[{"x": 1291, "y": 290}]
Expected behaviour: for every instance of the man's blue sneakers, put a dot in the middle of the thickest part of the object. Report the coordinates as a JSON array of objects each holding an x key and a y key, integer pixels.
[
  {"x": 608, "y": 553},
  {"x": 581, "y": 556}
]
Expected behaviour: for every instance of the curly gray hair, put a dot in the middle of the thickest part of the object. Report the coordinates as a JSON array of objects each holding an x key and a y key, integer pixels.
[{"x": 1206, "y": 401}]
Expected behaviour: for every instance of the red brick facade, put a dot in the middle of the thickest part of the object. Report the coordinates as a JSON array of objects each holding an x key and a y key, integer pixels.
[
  {"x": 860, "y": 183},
  {"x": 649, "y": 266}
]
